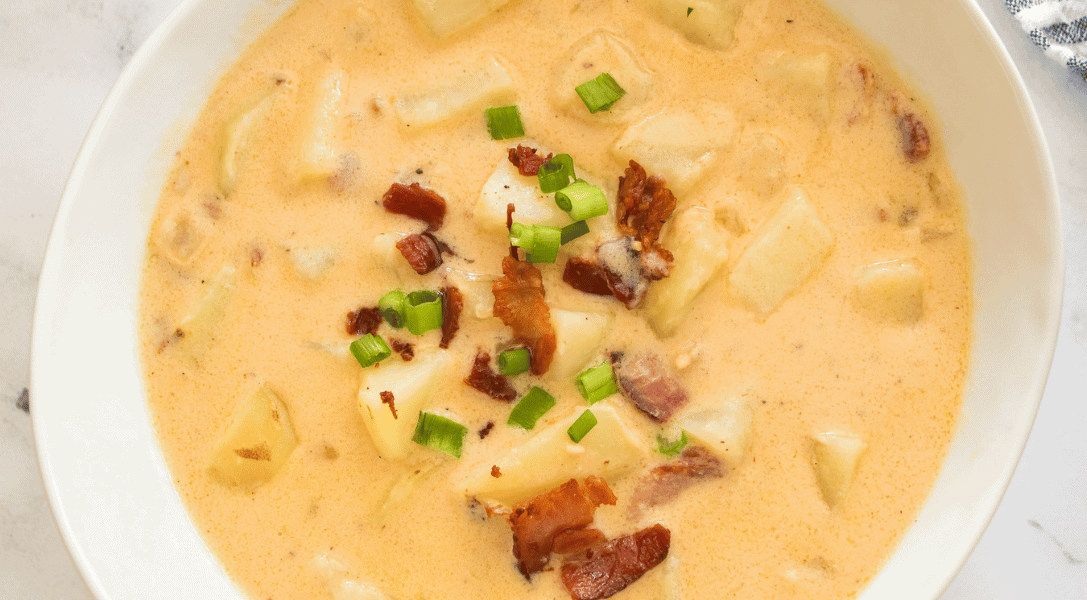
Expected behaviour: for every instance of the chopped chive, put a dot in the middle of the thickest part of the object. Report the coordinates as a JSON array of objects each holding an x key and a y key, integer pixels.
[
  {"x": 504, "y": 122},
  {"x": 513, "y": 362},
  {"x": 600, "y": 93},
  {"x": 391, "y": 307},
  {"x": 530, "y": 408},
  {"x": 582, "y": 426},
  {"x": 439, "y": 433},
  {"x": 423, "y": 312},
  {"x": 370, "y": 349},
  {"x": 669, "y": 447},
  {"x": 545, "y": 246},
  {"x": 597, "y": 383},
  {"x": 556, "y": 174},
  {"x": 582, "y": 201},
  {"x": 690, "y": 9},
  {"x": 573, "y": 231}
]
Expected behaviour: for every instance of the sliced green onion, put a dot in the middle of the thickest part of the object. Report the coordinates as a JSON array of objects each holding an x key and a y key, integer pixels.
[
  {"x": 545, "y": 246},
  {"x": 600, "y": 93},
  {"x": 423, "y": 312},
  {"x": 582, "y": 201},
  {"x": 504, "y": 123},
  {"x": 582, "y": 426},
  {"x": 439, "y": 433},
  {"x": 556, "y": 174},
  {"x": 597, "y": 383},
  {"x": 669, "y": 447},
  {"x": 522, "y": 236},
  {"x": 529, "y": 410},
  {"x": 391, "y": 307},
  {"x": 370, "y": 349},
  {"x": 513, "y": 362},
  {"x": 573, "y": 231}
]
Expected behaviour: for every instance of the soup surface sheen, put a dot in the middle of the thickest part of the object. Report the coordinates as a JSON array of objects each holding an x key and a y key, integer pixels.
[{"x": 818, "y": 310}]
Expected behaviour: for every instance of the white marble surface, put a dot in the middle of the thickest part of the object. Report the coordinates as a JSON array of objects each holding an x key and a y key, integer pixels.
[{"x": 58, "y": 59}]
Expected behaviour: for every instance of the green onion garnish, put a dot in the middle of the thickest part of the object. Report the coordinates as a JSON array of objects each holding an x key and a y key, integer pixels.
[
  {"x": 597, "y": 383},
  {"x": 600, "y": 93},
  {"x": 370, "y": 349},
  {"x": 582, "y": 426},
  {"x": 439, "y": 433},
  {"x": 522, "y": 236},
  {"x": 582, "y": 201},
  {"x": 669, "y": 447},
  {"x": 423, "y": 312},
  {"x": 529, "y": 410},
  {"x": 556, "y": 174},
  {"x": 504, "y": 123},
  {"x": 391, "y": 307},
  {"x": 573, "y": 231},
  {"x": 540, "y": 242},
  {"x": 513, "y": 362}
]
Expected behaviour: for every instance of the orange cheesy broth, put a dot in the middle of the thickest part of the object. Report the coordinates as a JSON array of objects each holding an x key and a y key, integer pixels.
[{"x": 816, "y": 363}]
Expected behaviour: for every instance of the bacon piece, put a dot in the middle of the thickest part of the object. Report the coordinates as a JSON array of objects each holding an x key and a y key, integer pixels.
[
  {"x": 421, "y": 251},
  {"x": 916, "y": 144},
  {"x": 486, "y": 380},
  {"x": 644, "y": 205},
  {"x": 363, "y": 321},
  {"x": 651, "y": 385},
  {"x": 404, "y": 349},
  {"x": 537, "y": 522},
  {"x": 417, "y": 202},
  {"x": 664, "y": 483},
  {"x": 606, "y": 569},
  {"x": 623, "y": 271},
  {"x": 495, "y": 471},
  {"x": 527, "y": 161},
  {"x": 586, "y": 276},
  {"x": 388, "y": 398},
  {"x": 573, "y": 540},
  {"x": 452, "y": 305},
  {"x": 483, "y": 433},
  {"x": 519, "y": 302}
]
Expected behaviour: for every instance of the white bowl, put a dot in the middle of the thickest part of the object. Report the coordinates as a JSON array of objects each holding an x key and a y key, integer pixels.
[{"x": 112, "y": 494}]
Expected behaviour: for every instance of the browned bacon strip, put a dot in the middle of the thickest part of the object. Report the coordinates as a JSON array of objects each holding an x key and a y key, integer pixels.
[
  {"x": 586, "y": 276},
  {"x": 421, "y": 251},
  {"x": 537, "y": 522},
  {"x": 650, "y": 384},
  {"x": 606, "y": 569},
  {"x": 519, "y": 302},
  {"x": 486, "y": 380},
  {"x": 573, "y": 540},
  {"x": 527, "y": 161},
  {"x": 388, "y": 398},
  {"x": 644, "y": 205},
  {"x": 363, "y": 321},
  {"x": 404, "y": 349},
  {"x": 916, "y": 144},
  {"x": 452, "y": 305},
  {"x": 417, "y": 202},
  {"x": 667, "y": 481}
]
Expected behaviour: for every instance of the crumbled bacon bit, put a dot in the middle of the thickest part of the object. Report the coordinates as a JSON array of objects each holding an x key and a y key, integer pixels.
[
  {"x": 404, "y": 349},
  {"x": 417, "y": 202},
  {"x": 363, "y": 321},
  {"x": 387, "y": 398},
  {"x": 573, "y": 540},
  {"x": 644, "y": 206},
  {"x": 907, "y": 216},
  {"x": 256, "y": 256},
  {"x": 537, "y": 522},
  {"x": 666, "y": 482},
  {"x": 586, "y": 276},
  {"x": 623, "y": 271},
  {"x": 483, "y": 433},
  {"x": 260, "y": 452},
  {"x": 916, "y": 144},
  {"x": 519, "y": 302},
  {"x": 650, "y": 384},
  {"x": 421, "y": 251},
  {"x": 606, "y": 569},
  {"x": 527, "y": 161},
  {"x": 488, "y": 381},
  {"x": 452, "y": 305},
  {"x": 495, "y": 471}
]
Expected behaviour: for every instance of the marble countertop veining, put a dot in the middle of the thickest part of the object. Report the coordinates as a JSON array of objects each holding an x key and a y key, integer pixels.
[{"x": 59, "y": 58}]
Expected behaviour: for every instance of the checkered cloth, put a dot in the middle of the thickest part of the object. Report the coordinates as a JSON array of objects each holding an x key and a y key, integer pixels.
[{"x": 1058, "y": 26}]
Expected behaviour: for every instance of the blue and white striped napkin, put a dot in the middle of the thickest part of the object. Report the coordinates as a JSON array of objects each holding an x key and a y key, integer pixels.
[{"x": 1058, "y": 26}]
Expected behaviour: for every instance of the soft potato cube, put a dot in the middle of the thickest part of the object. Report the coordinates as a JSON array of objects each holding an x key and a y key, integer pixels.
[
  {"x": 412, "y": 384},
  {"x": 678, "y": 145},
  {"x": 477, "y": 289},
  {"x": 764, "y": 166},
  {"x": 783, "y": 254},
  {"x": 257, "y": 445},
  {"x": 549, "y": 458},
  {"x": 335, "y": 575},
  {"x": 312, "y": 263},
  {"x": 182, "y": 236},
  {"x": 596, "y": 53},
  {"x": 706, "y": 22},
  {"x": 724, "y": 430},
  {"x": 237, "y": 138},
  {"x": 319, "y": 156},
  {"x": 700, "y": 251},
  {"x": 810, "y": 77},
  {"x": 892, "y": 291},
  {"x": 578, "y": 335},
  {"x": 506, "y": 185},
  {"x": 198, "y": 328},
  {"x": 443, "y": 17},
  {"x": 484, "y": 84},
  {"x": 835, "y": 458}
]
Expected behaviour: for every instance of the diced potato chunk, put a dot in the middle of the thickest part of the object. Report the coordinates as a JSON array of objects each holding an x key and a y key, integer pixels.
[
  {"x": 484, "y": 84},
  {"x": 312, "y": 263},
  {"x": 319, "y": 156},
  {"x": 446, "y": 16},
  {"x": 892, "y": 290},
  {"x": 707, "y": 22},
  {"x": 700, "y": 250},
  {"x": 182, "y": 236},
  {"x": 549, "y": 458},
  {"x": 764, "y": 166},
  {"x": 335, "y": 575},
  {"x": 835, "y": 458},
  {"x": 724, "y": 430},
  {"x": 412, "y": 385},
  {"x": 783, "y": 254},
  {"x": 477, "y": 290},
  {"x": 237, "y": 138},
  {"x": 506, "y": 185},
  {"x": 596, "y": 53},
  {"x": 257, "y": 444},
  {"x": 810, "y": 77},
  {"x": 200, "y": 325},
  {"x": 578, "y": 335},
  {"x": 678, "y": 145}
]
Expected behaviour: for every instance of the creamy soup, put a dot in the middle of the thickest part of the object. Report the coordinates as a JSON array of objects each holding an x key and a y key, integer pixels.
[{"x": 737, "y": 377}]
